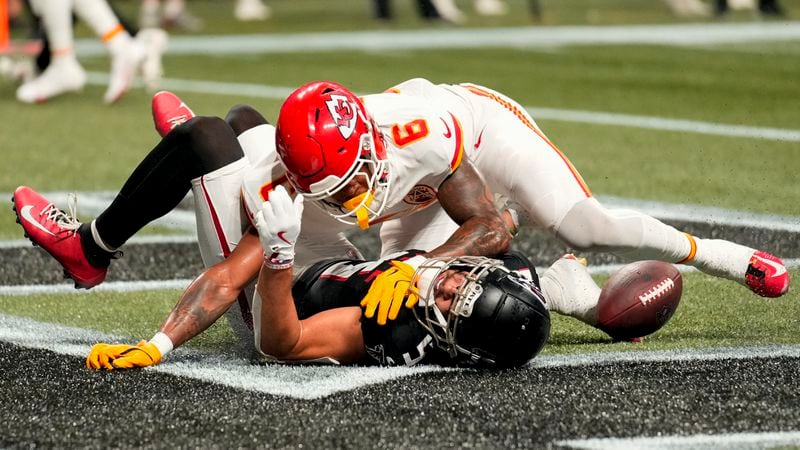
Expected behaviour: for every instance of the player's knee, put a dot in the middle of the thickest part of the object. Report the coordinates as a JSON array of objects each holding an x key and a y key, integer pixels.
[
  {"x": 210, "y": 141},
  {"x": 579, "y": 240},
  {"x": 243, "y": 117},
  {"x": 588, "y": 226}
]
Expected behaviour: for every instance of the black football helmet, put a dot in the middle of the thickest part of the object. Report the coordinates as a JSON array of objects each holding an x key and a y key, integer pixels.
[{"x": 497, "y": 317}]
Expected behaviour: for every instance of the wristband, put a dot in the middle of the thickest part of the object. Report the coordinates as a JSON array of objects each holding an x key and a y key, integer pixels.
[
  {"x": 163, "y": 343},
  {"x": 272, "y": 262}
]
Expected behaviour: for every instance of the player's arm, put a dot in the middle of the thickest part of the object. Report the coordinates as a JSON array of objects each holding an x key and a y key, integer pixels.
[
  {"x": 469, "y": 202},
  {"x": 335, "y": 333},
  {"x": 214, "y": 291},
  {"x": 202, "y": 303}
]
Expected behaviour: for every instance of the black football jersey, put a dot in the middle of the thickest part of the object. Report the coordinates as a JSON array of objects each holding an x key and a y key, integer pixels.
[{"x": 404, "y": 341}]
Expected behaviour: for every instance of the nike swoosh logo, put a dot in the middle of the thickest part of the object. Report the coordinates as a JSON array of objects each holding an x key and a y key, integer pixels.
[
  {"x": 478, "y": 142},
  {"x": 280, "y": 236},
  {"x": 447, "y": 134},
  {"x": 779, "y": 268},
  {"x": 25, "y": 213}
]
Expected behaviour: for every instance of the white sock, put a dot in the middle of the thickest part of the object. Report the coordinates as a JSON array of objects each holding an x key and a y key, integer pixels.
[
  {"x": 148, "y": 14},
  {"x": 722, "y": 258},
  {"x": 570, "y": 290},
  {"x": 99, "y": 241},
  {"x": 173, "y": 8},
  {"x": 56, "y": 18},
  {"x": 105, "y": 24}
]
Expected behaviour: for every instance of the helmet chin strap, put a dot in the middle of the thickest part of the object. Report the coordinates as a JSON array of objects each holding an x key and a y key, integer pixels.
[{"x": 362, "y": 214}]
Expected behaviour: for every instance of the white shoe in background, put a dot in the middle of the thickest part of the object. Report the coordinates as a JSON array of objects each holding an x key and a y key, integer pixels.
[
  {"x": 448, "y": 11},
  {"x": 63, "y": 75},
  {"x": 124, "y": 65},
  {"x": 491, "y": 7},
  {"x": 250, "y": 10}
]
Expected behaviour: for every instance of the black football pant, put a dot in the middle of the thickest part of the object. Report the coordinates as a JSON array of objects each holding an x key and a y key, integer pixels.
[{"x": 164, "y": 177}]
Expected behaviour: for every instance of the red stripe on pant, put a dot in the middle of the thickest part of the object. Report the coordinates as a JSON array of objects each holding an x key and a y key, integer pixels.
[{"x": 244, "y": 306}]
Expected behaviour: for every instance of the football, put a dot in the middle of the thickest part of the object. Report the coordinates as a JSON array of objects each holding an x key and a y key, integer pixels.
[{"x": 639, "y": 299}]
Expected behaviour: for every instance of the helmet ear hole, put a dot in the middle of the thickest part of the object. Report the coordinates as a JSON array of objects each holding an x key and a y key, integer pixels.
[{"x": 496, "y": 319}]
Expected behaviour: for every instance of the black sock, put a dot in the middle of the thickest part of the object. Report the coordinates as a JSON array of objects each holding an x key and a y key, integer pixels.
[{"x": 94, "y": 254}]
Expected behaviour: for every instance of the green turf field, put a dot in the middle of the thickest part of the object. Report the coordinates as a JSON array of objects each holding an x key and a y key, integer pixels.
[
  {"x": 712, "y": 313},
  {"x": 76, "y": 143}
]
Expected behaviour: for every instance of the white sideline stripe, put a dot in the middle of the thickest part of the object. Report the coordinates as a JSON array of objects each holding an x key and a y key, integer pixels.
[
  {"x": 146, "y": 239},
  {"x": 703, "y": 354},
  {"x": 92, "y": 203},
  {"x": 564, "y": 115},
  {"x": 302, "y": 382},
  {"x": 732, "y": 441},
  {"x": 707, "y": 214},
  {"x": 110, "y": 286},
  {"x": 310, "y": 382},
  {"x": 155, "y": 285},
  {"x": 664, "y": 124},
  {"x": 517, "y": 37}
]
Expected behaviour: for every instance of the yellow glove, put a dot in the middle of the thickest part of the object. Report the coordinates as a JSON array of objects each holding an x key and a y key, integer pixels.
[
  {"x": 122, "y": 356},
  {"x": 387, "y": 292}
]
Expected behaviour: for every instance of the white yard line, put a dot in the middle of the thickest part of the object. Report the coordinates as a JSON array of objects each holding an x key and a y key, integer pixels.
[
  {"x": 309, "y": 382},
  {"x": 703, "y": 34},
  {"x": 92, "y": 203},
  {"x": 732, "y": 441},
  {"x": 564, "y": 115},
  {"x": 180, "y": 284}
]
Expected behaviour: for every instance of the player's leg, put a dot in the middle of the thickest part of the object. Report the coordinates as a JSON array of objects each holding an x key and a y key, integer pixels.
[
  {"x": 256, "y": 135},
  {"x": 201, "y": 146},
  {"x": 126, "y": 53},
  {"x": 63, "y": 73},
  {"x": 570, "y": 290},
  {"x": 519, "y": 162}
]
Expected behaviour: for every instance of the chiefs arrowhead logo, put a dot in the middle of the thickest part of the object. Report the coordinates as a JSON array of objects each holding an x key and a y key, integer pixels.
[
  {"x": 343, "y": 113},
  {"x": 420, "y": 195}
]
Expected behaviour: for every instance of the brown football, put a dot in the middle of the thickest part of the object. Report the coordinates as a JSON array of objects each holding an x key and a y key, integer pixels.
[{"x": 639, "y": 299}]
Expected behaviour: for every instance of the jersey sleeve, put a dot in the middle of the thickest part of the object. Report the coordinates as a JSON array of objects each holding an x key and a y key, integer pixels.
[
  {"x": 259, "y": 180},
  {"x": 425, "y": 142}
]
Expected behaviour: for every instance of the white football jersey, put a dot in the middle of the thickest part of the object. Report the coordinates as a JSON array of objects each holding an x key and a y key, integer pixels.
[
  {"x": 518, "y": 162},
  {"x": 424, "y": 144}
]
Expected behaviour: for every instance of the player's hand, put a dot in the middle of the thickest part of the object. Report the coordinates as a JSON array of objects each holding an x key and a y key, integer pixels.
[
  {"x": 278, "y": 225},
  {"x": 122, "y": 356},
  {"x": 387, "y": 292}
]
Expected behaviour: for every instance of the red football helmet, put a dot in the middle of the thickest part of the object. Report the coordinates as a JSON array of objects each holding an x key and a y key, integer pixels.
[{"x": 325, "y": 138}]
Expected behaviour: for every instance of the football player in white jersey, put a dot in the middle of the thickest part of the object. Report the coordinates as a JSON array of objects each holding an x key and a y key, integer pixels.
[
  {"x": 471, "y": 311},
  {"x": 506, "y": 146},
  {"x": 221, "y": 163}
]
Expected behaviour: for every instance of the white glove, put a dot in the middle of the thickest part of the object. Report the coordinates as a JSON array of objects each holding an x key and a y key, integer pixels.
[{"x": 278, "y": 225}]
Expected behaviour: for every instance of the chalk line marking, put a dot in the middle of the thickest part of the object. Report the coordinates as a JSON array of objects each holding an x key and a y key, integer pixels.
[
  {"x": 181, "y": 284},
  {"x": 93, "y": 203},
  {"x": 310, "y": 382},
  {"x": 565, "y": 115},
  {"x": 704, "y": 34},
  {"x": 732, "y": 441},
  {"x": 302, "y": 382}
]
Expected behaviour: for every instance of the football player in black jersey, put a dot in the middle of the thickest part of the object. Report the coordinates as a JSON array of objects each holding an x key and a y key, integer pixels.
[{"x": 468, "y": 310}]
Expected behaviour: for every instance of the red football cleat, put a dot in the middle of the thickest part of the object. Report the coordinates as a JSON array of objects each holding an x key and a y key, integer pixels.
[
  {"x": 766, "y": 275},
  {"x": 56, "y": 232},
  {"x": 169, "y": 111}
]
